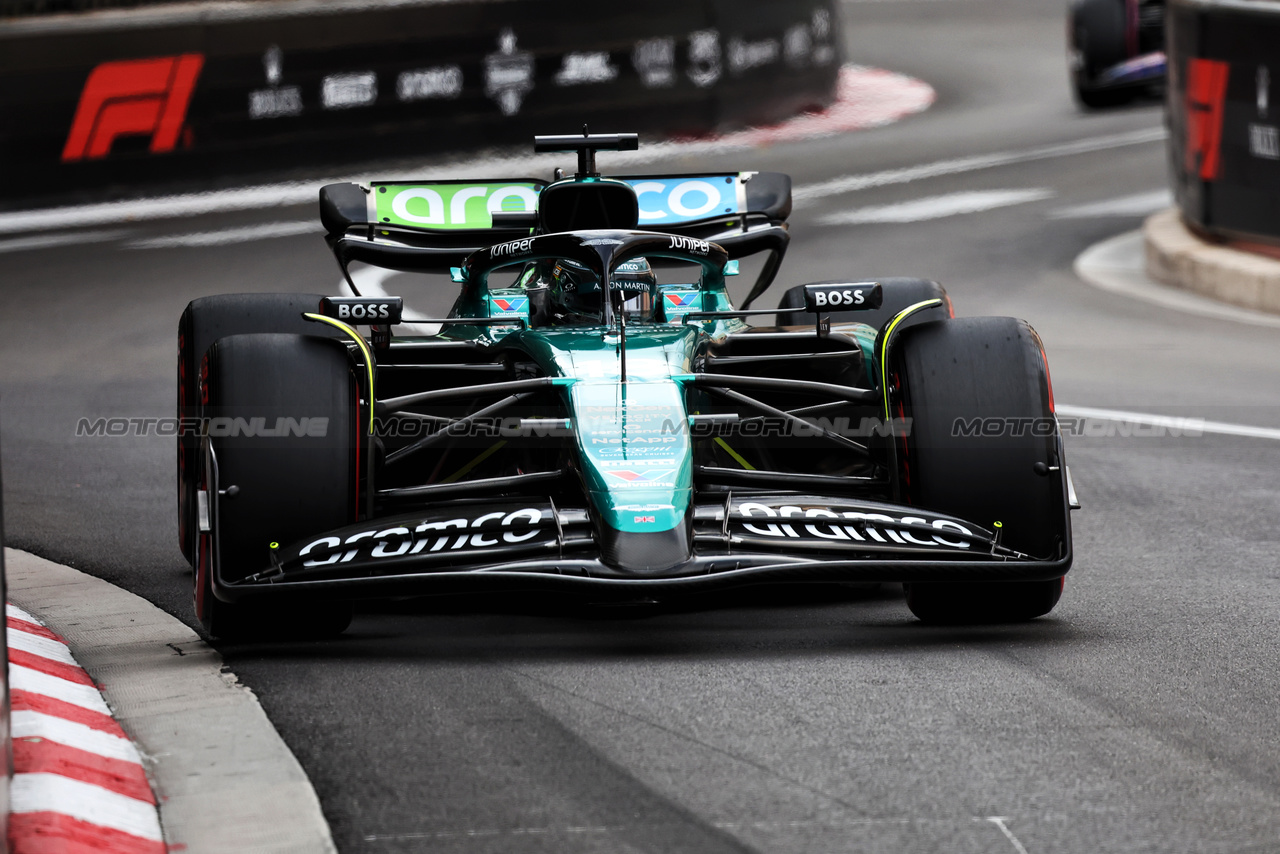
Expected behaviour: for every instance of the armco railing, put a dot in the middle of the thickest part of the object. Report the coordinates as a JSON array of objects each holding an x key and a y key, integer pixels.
[
  {"x": 6, "y": 743},
  {"x": 1223, "y": 111},
  {"x": 123, "y": 98}
]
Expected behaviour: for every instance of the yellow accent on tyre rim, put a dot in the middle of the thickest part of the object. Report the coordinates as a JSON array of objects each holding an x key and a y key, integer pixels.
[
  {"x": 364, "y": 348},
  {"x": 888, "y": 336}
]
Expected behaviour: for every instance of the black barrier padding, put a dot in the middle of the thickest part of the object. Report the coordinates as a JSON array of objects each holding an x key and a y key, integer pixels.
[
  {"x": 342, "y": 206},
  {"x": 1224, "y": 129},
  {"x": 277, "y": 95}
]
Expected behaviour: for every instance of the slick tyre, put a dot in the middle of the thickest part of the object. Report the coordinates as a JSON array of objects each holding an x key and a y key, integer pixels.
[
  {"x": 283, "y": 432},
  {"x": 982, "y": 442},
  {"x": 1097, "y": 33},
  {"x": 205, "y": 321},
  {"x": 899, "y": 293}
]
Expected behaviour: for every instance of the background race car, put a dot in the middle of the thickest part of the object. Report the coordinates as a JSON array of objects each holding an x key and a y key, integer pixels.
[{"x": 1115, "y": 49}]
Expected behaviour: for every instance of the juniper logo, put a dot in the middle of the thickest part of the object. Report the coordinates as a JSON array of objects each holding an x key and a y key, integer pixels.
[
  {"x": 690, "y": 244},
  {"x": 515, "y": 247}
]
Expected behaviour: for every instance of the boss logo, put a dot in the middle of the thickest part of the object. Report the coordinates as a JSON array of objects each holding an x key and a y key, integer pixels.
[
  {"x": 379, "y": 310},
  {"x": 850, "y": 296},
  {"x": 383, "y": 310}
]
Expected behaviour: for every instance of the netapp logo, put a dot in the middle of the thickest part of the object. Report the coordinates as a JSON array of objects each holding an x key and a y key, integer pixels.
[
  {"x": 516, "y": 526},
  {"x": 690, "y": 244}
]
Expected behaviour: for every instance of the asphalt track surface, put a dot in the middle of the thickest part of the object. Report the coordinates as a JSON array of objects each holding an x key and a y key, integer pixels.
[{"x": 1139, "y": 716}]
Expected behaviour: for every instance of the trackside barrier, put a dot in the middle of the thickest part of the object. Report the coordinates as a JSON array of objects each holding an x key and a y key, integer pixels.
[
  {"x": 1224, "y": 115},
  {"x": 200, "y": 93},
  {"x": 6, "y": 735}
]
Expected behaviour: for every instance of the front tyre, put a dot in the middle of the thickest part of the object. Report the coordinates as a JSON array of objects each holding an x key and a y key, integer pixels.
[
  {"x": 206, "y": 320},
  {"x": 284, "y": 432},
  {"x": 983, "y": 445}
]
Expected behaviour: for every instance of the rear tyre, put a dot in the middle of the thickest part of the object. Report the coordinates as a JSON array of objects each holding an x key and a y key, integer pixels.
[
  {"x": 899, "y": 293},
  {"x": 963, "y": 372},
  {"x": 1097, "y": 41},
  {"x": 205, "y": 321},
  {"x": 288, "y": 486}
]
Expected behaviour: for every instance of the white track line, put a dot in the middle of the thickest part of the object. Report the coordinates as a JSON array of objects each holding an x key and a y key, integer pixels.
[
  {"x": 849, "y": 183},
  {"x": 86, "y": 802},
  {"x": 242, "y": 234},
  {"x": 936, "y": 207},
  {"x": 999, "y": 821},
  {"x": 1138, "y": 204},
  {"x": 48, "y": 241},
  {"x": 1186, "y": 425}
]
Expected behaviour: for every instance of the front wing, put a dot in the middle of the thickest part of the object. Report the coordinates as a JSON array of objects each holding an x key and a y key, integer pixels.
[{"x": 739, "y": 539}]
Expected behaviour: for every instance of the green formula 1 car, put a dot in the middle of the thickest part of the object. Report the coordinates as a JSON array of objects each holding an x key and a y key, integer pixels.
[{"x": 595, "y": 417}]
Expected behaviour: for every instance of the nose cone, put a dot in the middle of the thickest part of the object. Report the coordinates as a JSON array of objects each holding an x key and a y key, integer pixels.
[{"x": 647, "y": 552}]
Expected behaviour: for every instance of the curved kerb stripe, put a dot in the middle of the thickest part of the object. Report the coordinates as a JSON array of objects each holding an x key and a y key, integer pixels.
[{"x": 79, "y": 784}]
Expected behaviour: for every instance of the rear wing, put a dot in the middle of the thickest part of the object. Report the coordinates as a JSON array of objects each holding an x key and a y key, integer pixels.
[{"x": 430, "y": 226}]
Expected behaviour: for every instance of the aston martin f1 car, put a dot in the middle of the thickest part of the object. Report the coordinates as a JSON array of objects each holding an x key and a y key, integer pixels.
[
  {"x": 595, "y": 417},
  {"x": 1115, "y": 49}
]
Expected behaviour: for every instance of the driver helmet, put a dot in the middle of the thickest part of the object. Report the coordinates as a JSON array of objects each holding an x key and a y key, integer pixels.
[{"x": 580, "y": 291}]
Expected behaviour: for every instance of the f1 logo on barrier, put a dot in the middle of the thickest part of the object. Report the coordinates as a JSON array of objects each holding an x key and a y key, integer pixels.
[
  {"x": 133, "y": 97},
  {"x": 1206, "y": 96}
]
